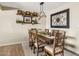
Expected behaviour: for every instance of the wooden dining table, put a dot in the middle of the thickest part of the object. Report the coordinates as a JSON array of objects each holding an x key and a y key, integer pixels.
[{"x": 45, "y": 38}]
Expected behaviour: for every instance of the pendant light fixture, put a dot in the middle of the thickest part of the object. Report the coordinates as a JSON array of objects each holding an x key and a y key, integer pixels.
[{"x": 42, "y": 13}]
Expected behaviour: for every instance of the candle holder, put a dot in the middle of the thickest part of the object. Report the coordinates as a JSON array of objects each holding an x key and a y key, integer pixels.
[{"x": 50, "y": 34}]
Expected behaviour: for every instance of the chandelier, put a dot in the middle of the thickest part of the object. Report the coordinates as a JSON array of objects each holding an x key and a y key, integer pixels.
[{"x": 42, "y": 13}]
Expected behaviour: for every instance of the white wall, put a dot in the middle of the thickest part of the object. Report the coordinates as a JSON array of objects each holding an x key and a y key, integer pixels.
[
  {"x": 74, "y": 24},
  {"x": 10, "y": 31}
]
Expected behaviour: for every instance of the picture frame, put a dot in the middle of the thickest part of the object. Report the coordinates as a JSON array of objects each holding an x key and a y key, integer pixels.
[
  {"x": 60, "y": 19},
  {"x": 27, "y": 19}
]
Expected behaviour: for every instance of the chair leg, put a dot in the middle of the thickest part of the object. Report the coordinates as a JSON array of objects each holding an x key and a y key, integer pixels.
[
  {"x": 63, "y": 53},
  {"x": 34, "y": 50},
  {"x": 37, "y": 51},
  {"x": 45, "y": 52},
  {"x": 31, "y": 47}
]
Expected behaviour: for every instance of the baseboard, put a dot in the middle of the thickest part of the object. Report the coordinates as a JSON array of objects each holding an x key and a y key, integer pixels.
[
  {"x": 10, "y": 43},
  {"x": 72, "y": 52}
]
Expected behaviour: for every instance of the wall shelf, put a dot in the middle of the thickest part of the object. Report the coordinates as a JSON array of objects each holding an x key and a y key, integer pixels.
[
  {"x": 28, "y": 17},
  {"x": 22, "y": 22}
]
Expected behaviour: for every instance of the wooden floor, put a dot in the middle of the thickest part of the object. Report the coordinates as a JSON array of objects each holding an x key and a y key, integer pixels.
[{"x": 12, "y": 50}]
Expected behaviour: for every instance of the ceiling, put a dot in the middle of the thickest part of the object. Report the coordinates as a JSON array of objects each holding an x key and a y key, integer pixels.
[{"x": 33, "y": 6}]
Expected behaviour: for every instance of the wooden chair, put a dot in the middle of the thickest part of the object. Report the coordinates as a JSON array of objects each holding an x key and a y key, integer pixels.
[
  {"x": 38, "y": 44},
  {"x": 52, "y": 32},
  {"x": 31, "y": 37},
  {"x": 57, "y": 48}
]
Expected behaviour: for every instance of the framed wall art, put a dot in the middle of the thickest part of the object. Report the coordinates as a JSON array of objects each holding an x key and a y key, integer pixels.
[
  {"x": 60, "y": 19},
  {"x": 27, "y": 19}
]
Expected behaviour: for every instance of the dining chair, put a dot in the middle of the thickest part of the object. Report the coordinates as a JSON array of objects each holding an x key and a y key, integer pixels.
[
  {"x": 38, "y": 44},
  {"x": 31, "y": 37},
  {"x": 57, "y": 48},
  {"x": 52, "y": 32}
]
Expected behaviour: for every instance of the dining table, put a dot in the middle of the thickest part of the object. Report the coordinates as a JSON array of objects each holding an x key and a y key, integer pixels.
[{"x": 45, "y": 38}]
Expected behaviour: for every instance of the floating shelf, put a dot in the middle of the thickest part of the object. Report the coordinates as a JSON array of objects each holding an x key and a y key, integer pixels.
[
  {"x": 19, "y": 21},
  {"x": 27, "y": 13}
]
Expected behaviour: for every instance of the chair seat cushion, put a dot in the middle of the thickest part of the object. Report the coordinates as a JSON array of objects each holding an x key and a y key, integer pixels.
[
  {"x": 40, "y": 45},
  {"x": 49, "y": 49}
]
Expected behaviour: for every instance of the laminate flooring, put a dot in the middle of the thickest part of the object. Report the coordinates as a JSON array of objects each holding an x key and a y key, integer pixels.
[{"x": 12, "y": 50}]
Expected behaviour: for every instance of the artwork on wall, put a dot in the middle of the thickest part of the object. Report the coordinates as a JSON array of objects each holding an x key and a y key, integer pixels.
[
  {"x": 60, "y": 19},
  {"x": 27, "y": 19}
]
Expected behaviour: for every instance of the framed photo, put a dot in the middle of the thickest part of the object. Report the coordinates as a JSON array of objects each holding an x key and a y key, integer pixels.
[
  {"x": 60, "y": 19},
  {"x": 27, "y": 19}
]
